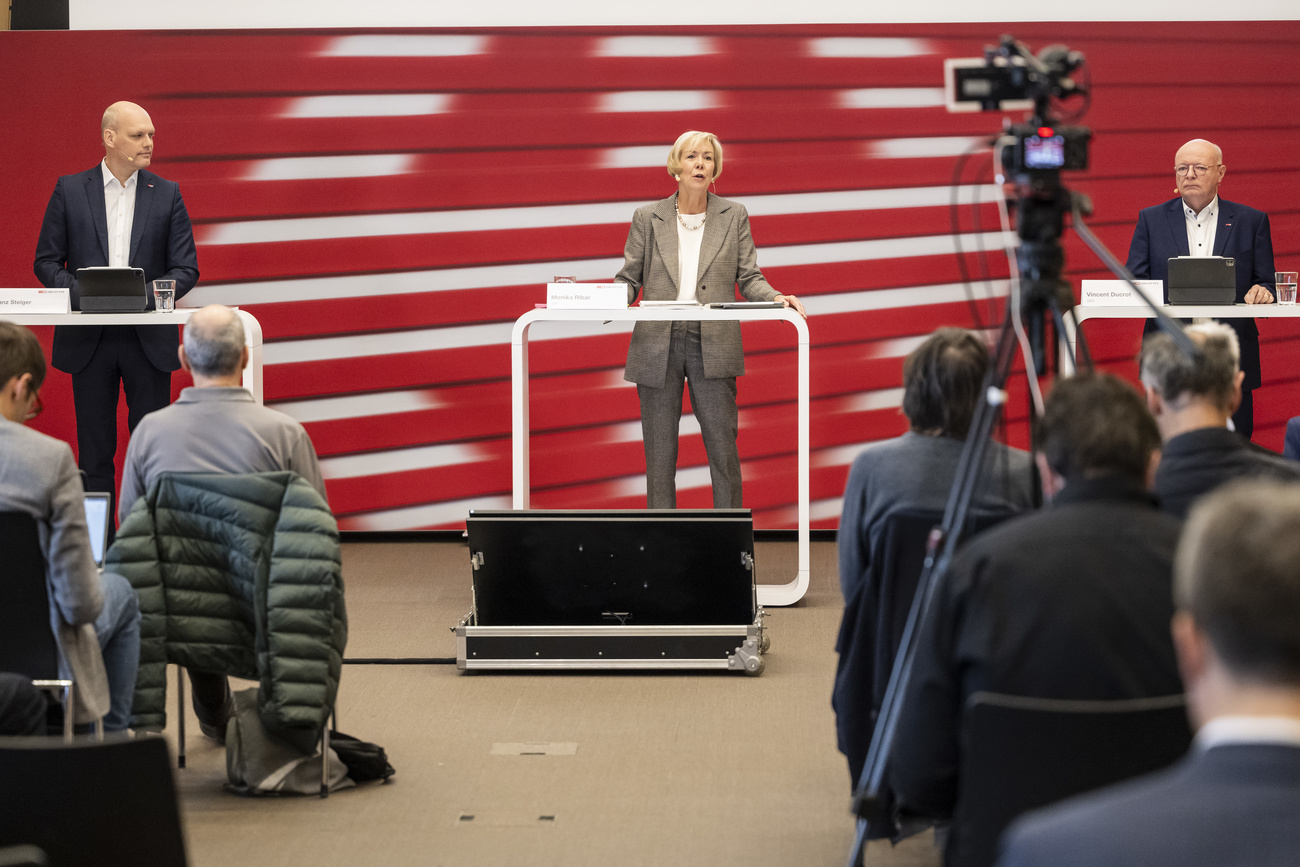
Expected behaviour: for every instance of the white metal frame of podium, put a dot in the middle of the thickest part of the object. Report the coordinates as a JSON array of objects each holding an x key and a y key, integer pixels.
[
  {"x": 768, "y": 594},
  {"x": 252, "y": 331},
  {"x": 1084, "y": 312}
]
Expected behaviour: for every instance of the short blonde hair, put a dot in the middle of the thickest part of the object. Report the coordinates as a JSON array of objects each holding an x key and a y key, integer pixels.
[{"x": 691, "y": 140}]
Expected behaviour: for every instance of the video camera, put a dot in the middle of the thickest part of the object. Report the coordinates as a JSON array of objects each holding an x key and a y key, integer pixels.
[{"x": 1033, "y": 153}]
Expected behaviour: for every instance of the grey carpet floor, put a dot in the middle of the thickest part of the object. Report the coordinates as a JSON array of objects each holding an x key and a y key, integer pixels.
[{"x": 640, "y": 768}]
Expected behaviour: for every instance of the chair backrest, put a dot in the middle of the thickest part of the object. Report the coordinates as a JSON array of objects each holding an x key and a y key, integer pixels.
[
  {"x": 109, "y": 803},
  {"x": 27, "y": 644},
  {"x": 874, "y": 620},
  {"x": 1021, "y": 753}
]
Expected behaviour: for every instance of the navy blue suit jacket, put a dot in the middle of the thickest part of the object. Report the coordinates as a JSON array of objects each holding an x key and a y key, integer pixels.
[
  {"x": 75, "y": 235},
  {"x": 1242, "y": 233},
  {"x": 1291, "y": 446},
  {"x": 1230, "y": 804}
]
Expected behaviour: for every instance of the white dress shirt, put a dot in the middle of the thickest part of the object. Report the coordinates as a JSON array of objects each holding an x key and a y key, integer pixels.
[
  {"x": 1283, "y": 730},
  {"x": 1201, "y": 231},
  {"x": 1202, "y": 227},
  {"x": 688, "y": 257},
  {"x": 119, "y": 205}
]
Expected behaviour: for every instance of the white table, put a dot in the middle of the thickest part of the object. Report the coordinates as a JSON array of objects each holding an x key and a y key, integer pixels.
[
  {"x": 252, "y": 331},
  {"x": 768, "y": 594},
  {"x": 1085, "y": 312}
]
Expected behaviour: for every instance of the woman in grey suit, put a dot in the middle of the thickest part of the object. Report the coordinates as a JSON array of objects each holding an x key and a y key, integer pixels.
[{"x": 692, "y": 247}]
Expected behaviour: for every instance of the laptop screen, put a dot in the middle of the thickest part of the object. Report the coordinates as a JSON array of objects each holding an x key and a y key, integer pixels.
[{"x": 97, "y": 519}]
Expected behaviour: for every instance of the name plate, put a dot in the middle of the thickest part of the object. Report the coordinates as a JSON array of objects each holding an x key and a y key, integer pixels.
[
  {"x": 35, "y": 301},
  {"x": 1118, "y": 293},
  {"x": 586, "y": 296}
]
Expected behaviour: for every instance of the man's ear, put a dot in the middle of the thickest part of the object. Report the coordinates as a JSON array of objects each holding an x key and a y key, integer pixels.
[
  {"x": 1052, "y": 481},
  {"x": 1190, "y": 646},
  {"x": 243, "y": 358},
  {"x": 1236, "y": 391},
  {"x": 1154, "y": 402},
  {"x": 185, "y": 362},
  {"x": 1153, "y": 464}
]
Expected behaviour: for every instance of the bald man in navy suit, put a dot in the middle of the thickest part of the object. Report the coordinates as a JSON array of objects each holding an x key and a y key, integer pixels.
[
  {"x": 117, "y": 214},
  {"x": 1199, "y": 223}
]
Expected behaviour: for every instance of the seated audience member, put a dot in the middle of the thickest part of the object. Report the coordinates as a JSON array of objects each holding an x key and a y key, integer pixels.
[
  {"x": 1192, "y": 400},
  {"x": 215, "y": 426},
  {"x": 1070, "y": 602},
  {"x": 941, "y": 389},
  {"x": 1235, "y": 798},
  {"x": 942, "y": 379},
  {"x": 22, "y": 706},
  {"x": 95, "y": 618}
]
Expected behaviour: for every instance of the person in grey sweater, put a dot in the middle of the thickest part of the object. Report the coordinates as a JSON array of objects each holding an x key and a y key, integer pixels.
[
  {"x": 941, "y": 388},
  {"x": 215, "y": 426}
]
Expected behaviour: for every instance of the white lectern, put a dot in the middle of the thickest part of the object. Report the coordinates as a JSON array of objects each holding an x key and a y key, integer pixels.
[{"x": 768, "y": 594}]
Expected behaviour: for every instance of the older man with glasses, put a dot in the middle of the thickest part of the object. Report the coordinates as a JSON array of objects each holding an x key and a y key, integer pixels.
[{"x": 1199, "y": 223}]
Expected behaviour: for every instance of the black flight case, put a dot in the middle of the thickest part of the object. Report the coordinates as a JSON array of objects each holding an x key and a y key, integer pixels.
[{"x": 599, "y": 589}]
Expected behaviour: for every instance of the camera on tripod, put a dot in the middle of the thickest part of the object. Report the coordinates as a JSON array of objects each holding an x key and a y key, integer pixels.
[
  {"x": 1033, "y": 155},
  {"x": 1011, "y": 78}
]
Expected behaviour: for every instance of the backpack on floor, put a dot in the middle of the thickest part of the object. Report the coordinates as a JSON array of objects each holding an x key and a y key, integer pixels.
[{"x": 365, "y": 761}]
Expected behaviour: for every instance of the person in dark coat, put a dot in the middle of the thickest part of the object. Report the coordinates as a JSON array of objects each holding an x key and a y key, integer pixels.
[
  {"x": 1070, "y": 602},
  {"x": 1234, "y": 799}
]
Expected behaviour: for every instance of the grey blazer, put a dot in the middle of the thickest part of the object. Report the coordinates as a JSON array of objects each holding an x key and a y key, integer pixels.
[
  {"x": 727, "y": 258},
  {"x": 39, "y": 476}
]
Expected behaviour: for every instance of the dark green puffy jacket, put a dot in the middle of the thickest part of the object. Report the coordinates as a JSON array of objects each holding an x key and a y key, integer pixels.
[{"x": 238, "y": 574}]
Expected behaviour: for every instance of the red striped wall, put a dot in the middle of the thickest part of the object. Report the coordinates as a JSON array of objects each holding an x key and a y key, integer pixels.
[{"x": 523, "y": 162}]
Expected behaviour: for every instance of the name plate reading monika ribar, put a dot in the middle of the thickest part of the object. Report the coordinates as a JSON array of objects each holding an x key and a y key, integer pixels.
[
  {"x": 1118, "y": 293},
  {"x": 34, "y": 301},
  {"x": 586, "y": 296}
]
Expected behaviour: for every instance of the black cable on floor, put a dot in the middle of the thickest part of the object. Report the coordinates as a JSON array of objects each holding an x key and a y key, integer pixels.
[{"x": 414, "y": 660}]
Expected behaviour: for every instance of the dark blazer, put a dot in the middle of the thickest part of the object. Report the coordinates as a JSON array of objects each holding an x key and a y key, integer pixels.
[
  {"x": 1070, "y": 602},
  {"x": 1229, "y": 804},
  {"x": 1196, "y": 462},
  {"x": 727, "y": 258},
  {"x": 1291, "y": 446},
  {"x": 75, "y": 235},
  {"x": 1243, "y": 234}
]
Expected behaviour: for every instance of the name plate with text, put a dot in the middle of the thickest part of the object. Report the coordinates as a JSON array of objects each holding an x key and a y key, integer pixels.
[
  {"x": 35, "y": 301},
  {"x": 1118, "y": 293},
  {"x": 586, "y": 296}
]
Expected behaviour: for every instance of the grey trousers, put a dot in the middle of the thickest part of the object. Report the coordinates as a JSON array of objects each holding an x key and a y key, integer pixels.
[{"x": 714, "y": 404}]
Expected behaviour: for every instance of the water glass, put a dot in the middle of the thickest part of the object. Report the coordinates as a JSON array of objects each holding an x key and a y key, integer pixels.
[
  {"x": 1285, "y": 281},
  {"x": 164, "y": 295}
]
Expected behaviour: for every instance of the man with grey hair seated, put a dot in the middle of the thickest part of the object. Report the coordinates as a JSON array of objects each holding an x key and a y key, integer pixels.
[
  {"x": 1192, "y": 399},
  {"x": 215, "y": 426},
  {"x": 1235, "y": 798}
]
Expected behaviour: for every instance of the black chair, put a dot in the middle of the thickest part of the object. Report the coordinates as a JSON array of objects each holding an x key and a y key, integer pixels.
[
  {"x": 873, "y": 623},
  {"x": 27, "y": 645},
  {"x": 1021, "y": 753},
  {"x": 111, "y": 803}
]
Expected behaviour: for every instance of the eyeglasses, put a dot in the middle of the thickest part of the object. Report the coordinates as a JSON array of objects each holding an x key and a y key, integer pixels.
[
  {"x": 1182, "y": 171},
  {"x": 37, "y": 406}
]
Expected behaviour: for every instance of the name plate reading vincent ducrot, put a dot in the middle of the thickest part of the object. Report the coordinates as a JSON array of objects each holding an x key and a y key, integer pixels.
[
  {"x": 35, "y": 301},
  {"x": 586, "y": 296},
  {"x": 1118, "y": 293}
]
